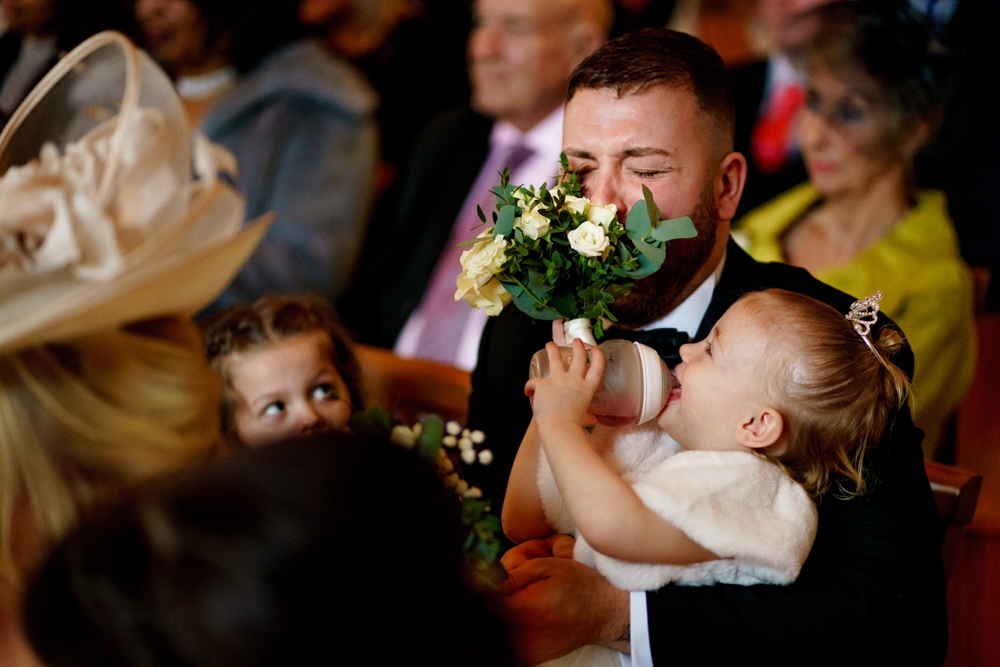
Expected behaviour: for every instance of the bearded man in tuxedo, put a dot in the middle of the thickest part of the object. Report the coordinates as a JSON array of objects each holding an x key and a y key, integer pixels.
[{"x": 654, "y": 108}]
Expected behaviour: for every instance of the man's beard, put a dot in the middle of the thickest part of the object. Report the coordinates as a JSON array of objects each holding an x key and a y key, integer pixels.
[{"x": 653, "y": 297}]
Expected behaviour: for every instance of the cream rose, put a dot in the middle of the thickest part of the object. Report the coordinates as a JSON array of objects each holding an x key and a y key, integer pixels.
[
  {"x": 589, "y": 240},
  {"x": 483, "y": 260},
  {"x": 533, "y": 224},
  {"x": 576, "y": 204},
  {"x": 491, "y": 297},
  {"x": 602, "y": 215}
]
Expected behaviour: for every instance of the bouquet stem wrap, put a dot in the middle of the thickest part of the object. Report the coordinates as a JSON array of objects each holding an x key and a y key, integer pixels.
[{"x": 580, "y": 328}]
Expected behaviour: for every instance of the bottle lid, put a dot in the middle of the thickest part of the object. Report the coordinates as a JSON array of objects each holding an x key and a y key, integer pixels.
[{"x": 654, "y": 390}]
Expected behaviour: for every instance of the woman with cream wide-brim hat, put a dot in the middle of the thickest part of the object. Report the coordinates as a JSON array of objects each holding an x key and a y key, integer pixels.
[{"x": 109, "y": 241}]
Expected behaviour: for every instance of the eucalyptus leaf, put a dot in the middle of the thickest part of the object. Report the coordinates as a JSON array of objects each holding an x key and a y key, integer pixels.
[
  {"x": 598, "y": 327},
  {"x": 651, "y": 207},
  {"x": 513, "y": 289},
  {"x": 565, "y": 305},
  {"x": 536, "y": 283},
  {"x": 652, "y": 253},
  {"x": 638, "y": 223},
  {"x": 676, "y": 228},
  {"x": 643, "y": 268},
  {"x": 505, "y": 221},
  {"x": 429, "y": 441},
  {"x": 529, "y": 306}
]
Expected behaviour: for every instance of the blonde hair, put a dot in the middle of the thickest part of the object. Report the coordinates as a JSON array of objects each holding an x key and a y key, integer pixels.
[
  {"x": 836, "y": 394},
  {"x": 93, "y": 414}
]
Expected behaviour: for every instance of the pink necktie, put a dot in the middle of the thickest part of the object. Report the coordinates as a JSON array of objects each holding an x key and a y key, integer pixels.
[
  {"x": 771, "y": 136},
  {"x": 445, "y": 318}
]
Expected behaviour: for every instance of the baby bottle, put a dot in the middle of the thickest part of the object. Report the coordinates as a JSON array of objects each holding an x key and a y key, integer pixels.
[{"x": 635, "y": 385}]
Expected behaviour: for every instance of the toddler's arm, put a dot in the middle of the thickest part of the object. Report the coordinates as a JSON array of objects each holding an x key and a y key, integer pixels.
[
  {"x": 522, "y": 515},
  {"x": 607, "y": 512}
]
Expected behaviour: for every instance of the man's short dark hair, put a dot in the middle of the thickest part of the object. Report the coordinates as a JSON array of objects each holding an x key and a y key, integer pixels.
[{"x": 660, "y": 57}]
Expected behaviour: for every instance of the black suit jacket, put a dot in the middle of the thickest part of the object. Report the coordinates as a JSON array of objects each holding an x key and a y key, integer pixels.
[
  {"x": 748, "y": 82},
  {"x": 412, "y": 224},
  {"x": 872, "y": 589}
]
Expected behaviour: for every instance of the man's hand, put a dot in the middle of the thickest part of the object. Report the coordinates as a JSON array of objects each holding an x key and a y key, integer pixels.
[
  {"x": 555, "y": 545},
  {"x": 555, "y": 604}
]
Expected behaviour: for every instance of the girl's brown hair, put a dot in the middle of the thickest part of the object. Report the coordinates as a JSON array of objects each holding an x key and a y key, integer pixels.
[
  {"x": 837, "y": 395},
  {"x": 258, "y": 325}
]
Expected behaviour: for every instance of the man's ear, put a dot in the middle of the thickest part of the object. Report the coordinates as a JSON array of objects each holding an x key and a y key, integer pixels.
[
  {"x": 319, "y": 12},
  {"x": 729, "y": 184},
  {"x": 762, "y": 430},
  {"x": 916, "y": 138}
]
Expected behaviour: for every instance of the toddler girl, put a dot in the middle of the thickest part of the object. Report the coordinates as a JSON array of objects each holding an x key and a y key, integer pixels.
[
  {"x": 287, "y": 366},
  {"x": 775, "y": 409}
]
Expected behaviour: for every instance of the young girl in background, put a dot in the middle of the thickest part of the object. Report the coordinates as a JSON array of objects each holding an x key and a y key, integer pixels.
[
  {"x": 288, "y": 369},
  {"x": 775, "y": 409}
]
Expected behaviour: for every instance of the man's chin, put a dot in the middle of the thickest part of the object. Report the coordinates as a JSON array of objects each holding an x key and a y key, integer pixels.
[{"x": 653, "y": 298}]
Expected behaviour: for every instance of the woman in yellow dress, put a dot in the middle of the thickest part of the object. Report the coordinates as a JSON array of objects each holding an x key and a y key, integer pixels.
[{"x": 874, "y": 98}]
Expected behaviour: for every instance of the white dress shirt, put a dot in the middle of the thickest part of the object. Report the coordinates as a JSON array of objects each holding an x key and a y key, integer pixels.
[{"x": 685, "y": 317}]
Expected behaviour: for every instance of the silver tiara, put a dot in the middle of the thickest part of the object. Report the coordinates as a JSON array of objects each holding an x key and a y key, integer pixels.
[{"x": 863, "y": 314}]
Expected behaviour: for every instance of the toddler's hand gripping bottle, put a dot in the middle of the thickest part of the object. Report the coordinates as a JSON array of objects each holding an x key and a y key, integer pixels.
[{"x": 635, "y": 385}]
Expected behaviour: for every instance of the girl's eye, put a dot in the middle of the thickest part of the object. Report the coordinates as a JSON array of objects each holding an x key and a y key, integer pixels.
[
  {"x": 849, "y": 113},
  {"x": 813, "y": 102},
  {"x": 647, "y": 174},
  {"x": 325, "y": 391},
  {"x": 275, "y": 408}
]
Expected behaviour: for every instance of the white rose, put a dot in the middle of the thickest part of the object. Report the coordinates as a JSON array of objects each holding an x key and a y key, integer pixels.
[
  {"x": 523, "y": 198},
  {"x": 576, "y": 204},
  {"x": 491, "y": 297},
  {"x": 533, "y": 224},
  {"x": 589, "y": 240},
  {"x": 602, "y": 215},
  {"x": 403, "y": 435},
  {"x": 483, "y": 261}
]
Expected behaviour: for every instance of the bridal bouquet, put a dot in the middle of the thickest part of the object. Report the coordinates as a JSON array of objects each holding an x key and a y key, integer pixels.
[{"x": 556, "y": 254}]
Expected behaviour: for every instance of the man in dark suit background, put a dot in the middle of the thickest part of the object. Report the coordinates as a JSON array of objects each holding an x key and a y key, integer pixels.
[
  {"x": 768, "y": 95},
  {"x": 521, "y": 53},
  {"x": 654, "y": 108}
]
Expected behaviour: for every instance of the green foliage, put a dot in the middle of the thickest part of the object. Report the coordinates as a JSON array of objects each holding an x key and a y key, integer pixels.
[{"x": 429, "y": 441}]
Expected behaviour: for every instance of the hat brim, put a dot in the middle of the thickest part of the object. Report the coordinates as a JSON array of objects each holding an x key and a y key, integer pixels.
[{"x": 180, "y": 284}]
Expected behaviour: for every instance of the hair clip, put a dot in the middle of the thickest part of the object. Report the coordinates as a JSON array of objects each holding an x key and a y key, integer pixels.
[{"x": 863, "y": 314}]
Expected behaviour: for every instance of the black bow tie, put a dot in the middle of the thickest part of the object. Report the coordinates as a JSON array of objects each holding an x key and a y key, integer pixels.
[{"x": 666, "y": 342}]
